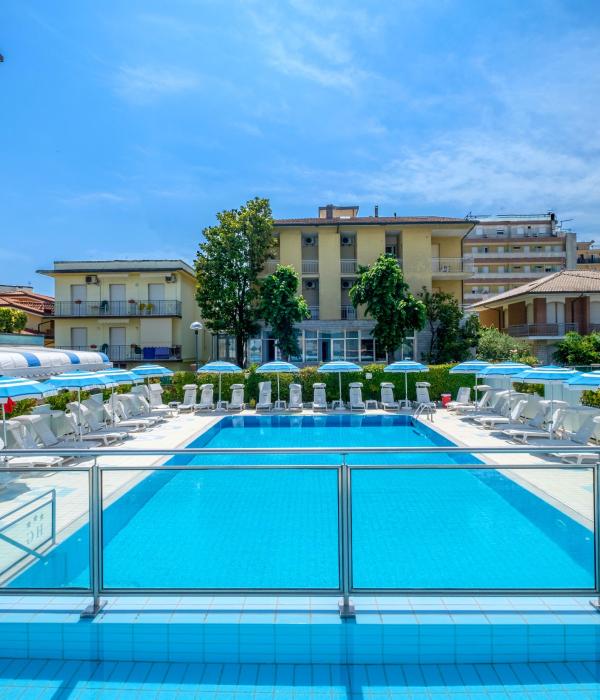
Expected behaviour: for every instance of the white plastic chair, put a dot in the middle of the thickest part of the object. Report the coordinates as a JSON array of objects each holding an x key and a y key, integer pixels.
[
  {"x": 388, "y": 402},
  {"x": 319, "y": 397},
  {"x": 264, "y": 397},
  {"x": 295, "y": 400},
  {"x": 206, "y": 398},
  {"x": 356, "y": 400},
  {"x": 237, "y": 398}
]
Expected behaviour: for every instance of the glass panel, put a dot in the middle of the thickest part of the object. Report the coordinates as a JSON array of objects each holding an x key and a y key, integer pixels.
[
  {"x": 224, "y": 529},
  {"x": 380, "y": 356},
  {"x": 472, "y": 528},
  {"x": 352, "y": 349},
  {"x": 366, "y": 349},
  {"x": 311, "y": 348},
  {"x": 337, "y": 349},
  {"x": 255, "y": 349},
  {"x": 44, "y": 529}
]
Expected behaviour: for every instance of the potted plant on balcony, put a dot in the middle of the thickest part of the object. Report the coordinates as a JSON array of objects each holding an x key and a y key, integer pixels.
[
  {"x": 93, "y": 347},
  {"x": 149, "y": 308},
  {"x": 141, "y": 307}
]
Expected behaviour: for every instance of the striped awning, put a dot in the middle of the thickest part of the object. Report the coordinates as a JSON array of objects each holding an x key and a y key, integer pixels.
[{"x": 38, "y": 362}]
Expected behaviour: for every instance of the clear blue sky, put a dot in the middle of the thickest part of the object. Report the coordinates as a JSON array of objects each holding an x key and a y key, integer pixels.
[{"x": 126, "y": 125}]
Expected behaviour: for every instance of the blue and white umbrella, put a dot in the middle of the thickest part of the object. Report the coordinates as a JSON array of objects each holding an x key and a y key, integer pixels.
[
  {"x": 504, "y": 369},
  {"x": 78, "y": 381},
  {"x": 340, "y": 366},
  {"x": 278, "y": 367},
  {"x": 406, "y": 367},
  {"x": 582, "y": 381},
  {"x": 152, "y": 370},
  {"x": 219, "y": 367},
  {"x": 471, "y": 367},
  {"x": 17, "y": 388}
]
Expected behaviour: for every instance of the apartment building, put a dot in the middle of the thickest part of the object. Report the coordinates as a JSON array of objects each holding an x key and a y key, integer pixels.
[
  {"x": 327, "y": 251},
  {"x": 511, "y": 250},
  {"x": 132, "y": 310},
  {"x": 544, "y": 310},
  {"x": 588, "y": 256}
]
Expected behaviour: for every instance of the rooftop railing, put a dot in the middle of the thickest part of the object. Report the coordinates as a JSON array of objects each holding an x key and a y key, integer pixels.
[
  {"x": 64, "y": 552},
  {"x": 106, "y": 308}
]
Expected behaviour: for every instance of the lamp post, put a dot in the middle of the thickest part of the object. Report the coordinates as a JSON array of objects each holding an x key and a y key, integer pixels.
[{"x": 196, "y": 326}]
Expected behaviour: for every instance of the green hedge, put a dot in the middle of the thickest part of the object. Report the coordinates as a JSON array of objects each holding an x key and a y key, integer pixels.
[
  {"x": 590, "y": 398},
  {"x": 442, "y": 382}
]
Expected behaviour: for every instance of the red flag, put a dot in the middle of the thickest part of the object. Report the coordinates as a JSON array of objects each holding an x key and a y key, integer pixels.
[{"x": 9, "y": 407}]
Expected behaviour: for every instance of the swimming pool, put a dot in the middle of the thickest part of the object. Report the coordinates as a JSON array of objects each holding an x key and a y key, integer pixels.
[{"x": 278, "y": 528}]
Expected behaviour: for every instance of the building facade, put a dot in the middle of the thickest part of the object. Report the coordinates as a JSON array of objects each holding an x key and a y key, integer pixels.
[
  {"x": 511, "y": 250},
  {"x": 544, "y": 310},
  {"x": 39, "y": 309},
  {"x": 327, "y": 251},
  {"x": 588, "y": 256},
  {"x": 132, "y": 310}
]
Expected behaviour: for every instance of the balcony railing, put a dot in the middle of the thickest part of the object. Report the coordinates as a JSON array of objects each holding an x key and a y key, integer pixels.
[
  {"x": 134, "y": 353},
  {"x": 348, "y": 267},
  {"x": 314, "y": 312},
  {"x": 310, "y": 267},
  {"x": 534, "y": 274},
  {"x": 440, "y": 266},
  {"x": 52, "y": 557},
  {"x": 270, "y": 266},
  {"x": 519, "y": 255},
  {"x": 348, "y": 313},
  {"x": 138, "y": 307},
  {"x": 552, "y": 330}
]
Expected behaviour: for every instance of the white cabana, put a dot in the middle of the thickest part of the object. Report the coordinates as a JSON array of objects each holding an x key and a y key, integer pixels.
[{"x": 40, "y": 362}]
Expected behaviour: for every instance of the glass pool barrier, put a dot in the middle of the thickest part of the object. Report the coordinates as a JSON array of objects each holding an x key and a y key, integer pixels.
[{"x": 434, "y": 521}]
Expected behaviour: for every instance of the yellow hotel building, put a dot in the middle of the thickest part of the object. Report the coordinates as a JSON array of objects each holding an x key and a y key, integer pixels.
[
  {"x": 134, "y": 311},
  {"x": 327, "y": 250}
]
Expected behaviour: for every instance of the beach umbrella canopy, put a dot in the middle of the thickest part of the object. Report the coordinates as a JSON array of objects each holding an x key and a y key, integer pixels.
[
  {"x": 470, "y": 367},
  {"x": 152, "y": 370},
  {"x": 78, "y": 381},
  {"x": 122, "y": 376},
  {"x": 17, "y": 388},
  {"x": 581, "y": 381},
  {"x": 503, "y": 369},
  {"x": 340, "y": 366},
  {"x": 219, "y": 367},
  {"x": 278, "y": 367},
  {"x": 406, "y": 367}
]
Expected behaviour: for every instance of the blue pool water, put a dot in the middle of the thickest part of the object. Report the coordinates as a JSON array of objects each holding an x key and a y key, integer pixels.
[{"x": 278, "y": 528}]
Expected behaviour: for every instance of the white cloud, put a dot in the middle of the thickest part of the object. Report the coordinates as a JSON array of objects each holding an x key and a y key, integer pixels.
[{"x": 147, "y": 83}]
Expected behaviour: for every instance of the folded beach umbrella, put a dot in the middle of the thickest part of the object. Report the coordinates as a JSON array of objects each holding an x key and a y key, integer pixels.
[
  {"x": 340, "y": 366},
  {"x": 219, "y": 367},
  {"x": 278, "y": 367},
  {"x": 406, "y": 367},
  {"x": 17, "y": 389}
]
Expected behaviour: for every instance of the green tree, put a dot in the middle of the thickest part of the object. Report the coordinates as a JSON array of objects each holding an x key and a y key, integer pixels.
[
  {"x": 452, "y": 336},
  {"x": 387, "y": 299},
  {"x": 227, "y": 267},
  {"x": 12, "y": 320},
  {"x": 282, "y": 308},
  {"x": 495, "y": 346},
  {"x": 576, "y": 349}
]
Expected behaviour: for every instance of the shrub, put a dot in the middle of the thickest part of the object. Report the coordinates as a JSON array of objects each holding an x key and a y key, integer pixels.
[
  {"x": 21, "y": 408},
  {"x": 526, "y": 388},
  {"x": 590, "y": 398},
  {"x": 576, "y": 349},
  {"x": 495, "y": 346}
]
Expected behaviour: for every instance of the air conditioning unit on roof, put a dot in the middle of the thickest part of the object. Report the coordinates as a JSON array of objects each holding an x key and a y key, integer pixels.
[{"x": 92, "y": 279}]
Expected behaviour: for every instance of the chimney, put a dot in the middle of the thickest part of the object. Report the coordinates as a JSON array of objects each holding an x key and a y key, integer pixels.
[
  {"x": 329, "y": 211},
  {"x": 376, "y": 211}
]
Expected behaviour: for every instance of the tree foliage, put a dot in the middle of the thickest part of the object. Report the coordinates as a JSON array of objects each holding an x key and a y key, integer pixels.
[
  {"x": 227, "y": 267},
  {"x": 452, "y": 336},
  {"x": 12, "y": 320},
  {"x": 387, "y": 299},
  {"x": 495, "y": 346},
  {"x": 576, "y": 349},
  {"x": 282, "y": 308}
]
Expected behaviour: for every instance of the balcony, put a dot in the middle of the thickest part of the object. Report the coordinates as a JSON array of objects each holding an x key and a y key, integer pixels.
[
  {"x": 509, "y": 274},
  {"x": 270, "y": 266},
  {"x": 310, "y": 267},
  {"x": 348, "y": 267},
  {"x": 541, "y": 330},
  {"x": 117, "y": 309},
  {"x": 347, "y": 313},
  {"x": 134, "y": 353},
  {"x": 314, "y": 313},
  {"x": 519, "y": 255},
  {"x": 458, "y": 268}
]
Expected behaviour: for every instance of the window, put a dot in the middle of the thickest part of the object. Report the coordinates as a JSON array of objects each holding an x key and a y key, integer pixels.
[
  {"x": 255, "y": 350},
  {"x": 367, "y": 349},
  {"x": 499, "y": 231},
  {"x": 79, "y": 338}
]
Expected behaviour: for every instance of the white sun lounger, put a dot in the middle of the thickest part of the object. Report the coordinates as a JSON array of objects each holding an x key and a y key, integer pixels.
[
  {"x": 206, "y": 398},
  {"x": 122, "y": 415},
  {"x": 580, "y": 437},
  {"x": 237, "y": 398},
  {"x": 20, "y": 438},
  {"x": 490, "y": 422},
  {"x": 264, "y": 397},
  {"x": 463, "y": 398},
  {"x": 478, "y": 406},
  {"x": 388, "y": 402},
  {"x": 295, "y": 400},
  {"x": 356, "y": 400},
  {"x": 524, "y": 434},
  {"x": 190, "y": 398},
  {"x": 137, "y": 407},
  {"x": 93, "y": 431},
  {"x": 319, "y": 397}
]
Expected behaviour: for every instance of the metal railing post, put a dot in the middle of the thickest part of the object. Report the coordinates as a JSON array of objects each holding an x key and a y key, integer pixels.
[
  {"x": 95, "y": 542},
  {"x": 346, "y": 607},
  {"x": 596, "y": 475}
]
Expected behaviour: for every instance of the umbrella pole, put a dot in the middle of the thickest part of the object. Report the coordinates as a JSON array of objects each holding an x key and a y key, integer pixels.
[
  {"x": 340, "y": 378},
  {"x": 277, "y": 388},
  {"x": 3, "y": 425},
  {"x": 80, "y": 421},
  {"x": 219, "y": 388},
  {"x": 406, "y": 390},
  {"x": 112, "y": 404}
]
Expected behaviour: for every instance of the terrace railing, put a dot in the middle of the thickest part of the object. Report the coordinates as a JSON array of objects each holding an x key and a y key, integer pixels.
[
  {"x": 553, "y": 330},
  {"x": 86, "y": 507},
  {"x": 117, "y": 309}
]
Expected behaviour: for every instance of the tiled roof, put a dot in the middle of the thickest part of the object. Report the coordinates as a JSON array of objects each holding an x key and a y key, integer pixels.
[
  {"x": 563, "y": 282},
  {"x": 373, "y": 220},
  {"x": 28, "y": 301}
]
